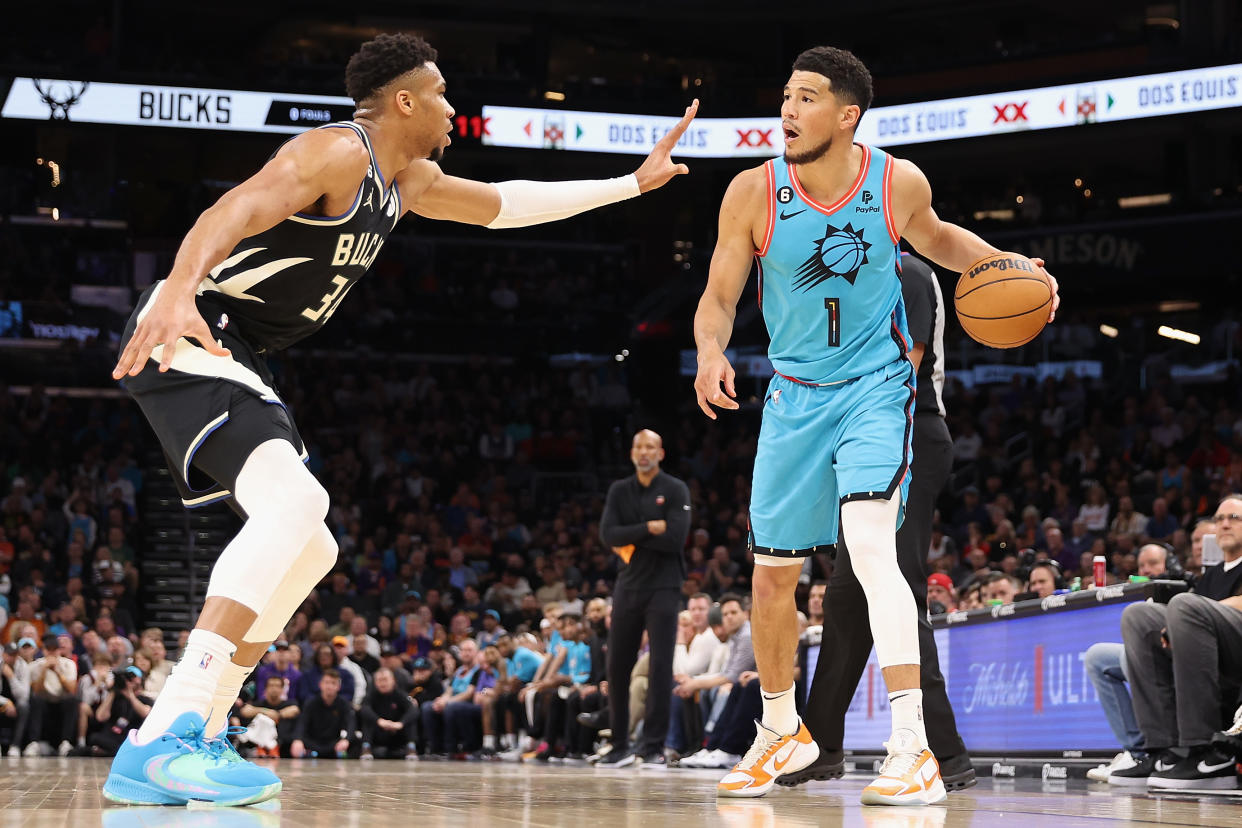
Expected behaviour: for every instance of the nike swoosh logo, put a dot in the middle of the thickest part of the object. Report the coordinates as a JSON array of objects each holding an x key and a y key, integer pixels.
[
  {"x": 778, "y": 764},
  {"x": 1206, "y": 768},
  {"x": 785, "y": 215},
  {"x": 157, "y": 772},
  {"x": 1162, "y": 767}
]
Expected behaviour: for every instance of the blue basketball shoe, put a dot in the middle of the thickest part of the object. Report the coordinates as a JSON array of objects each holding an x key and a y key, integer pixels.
[
  {"x": 182, "y": 766},
  {"x": 222, "y": 746}
]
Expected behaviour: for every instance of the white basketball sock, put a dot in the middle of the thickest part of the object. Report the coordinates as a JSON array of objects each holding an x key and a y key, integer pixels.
[
  {"x": 909, "y": 733},
  {"x": 226, "y": 693},
  {"x": 192, "y": 684},
  {"x": 779, "y": 712}
]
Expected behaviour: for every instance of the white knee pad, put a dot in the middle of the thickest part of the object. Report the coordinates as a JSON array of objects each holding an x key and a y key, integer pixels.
[
  {"x": 285, "y": 506},
  {"x": 870, "y": 531},
  {"x": 317, "y": 559}
]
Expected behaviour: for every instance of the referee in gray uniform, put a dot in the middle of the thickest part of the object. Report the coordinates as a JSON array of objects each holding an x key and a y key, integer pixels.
[
  {"x": 646, "y": 522},
  {"x": 847, "y": 633}
]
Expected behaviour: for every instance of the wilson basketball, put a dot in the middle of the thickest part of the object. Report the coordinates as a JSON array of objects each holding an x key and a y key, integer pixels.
[{"x": 1003, "y": 300}]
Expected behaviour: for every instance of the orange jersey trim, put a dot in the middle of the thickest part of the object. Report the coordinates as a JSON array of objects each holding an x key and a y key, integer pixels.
[
  {"x": 843, "y": 200},
  {"x": 770, "y": 172},
  {"x": 889, "y": 163}
]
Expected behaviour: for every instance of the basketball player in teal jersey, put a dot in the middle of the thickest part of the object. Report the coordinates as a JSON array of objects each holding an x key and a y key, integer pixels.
[
  {"x": 824, "y": 223},
  {"x": 263, "y": 268}
]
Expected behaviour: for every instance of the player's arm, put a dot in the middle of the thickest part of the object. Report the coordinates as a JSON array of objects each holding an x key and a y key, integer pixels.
[
  {"x": 430, "y": 193},
  {"x": 945, "y": 243},
  {"x": 915, "y": 355},
  {"x": 308, "y": 167},
  {"x": 726, "y": 279}
]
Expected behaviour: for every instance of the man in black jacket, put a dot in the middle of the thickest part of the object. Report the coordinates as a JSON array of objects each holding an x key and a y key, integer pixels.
[
  {"x": 1177, "y": 655},
  {"x": 281, "y": 714},
  {"x": 326, "y": 722},
  {"x": 646, "y": 521},
  {"x": 389, "y": 720}
]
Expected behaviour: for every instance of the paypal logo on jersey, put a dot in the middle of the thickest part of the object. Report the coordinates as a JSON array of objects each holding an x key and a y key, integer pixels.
[{"x": 867, "y": 198}]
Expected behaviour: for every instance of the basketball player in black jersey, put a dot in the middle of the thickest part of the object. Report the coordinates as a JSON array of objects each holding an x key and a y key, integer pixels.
[{"x": 264, "y": 267}]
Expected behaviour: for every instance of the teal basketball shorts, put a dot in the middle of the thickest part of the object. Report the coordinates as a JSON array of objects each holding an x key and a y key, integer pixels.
[{"x": 824, "y": 445}]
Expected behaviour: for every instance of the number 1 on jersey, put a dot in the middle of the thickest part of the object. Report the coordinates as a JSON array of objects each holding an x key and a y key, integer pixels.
[{"x": 833, "y": 307}]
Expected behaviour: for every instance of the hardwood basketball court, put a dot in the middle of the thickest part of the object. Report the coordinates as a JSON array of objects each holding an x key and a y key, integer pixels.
[{"x": 66, "y": 792}]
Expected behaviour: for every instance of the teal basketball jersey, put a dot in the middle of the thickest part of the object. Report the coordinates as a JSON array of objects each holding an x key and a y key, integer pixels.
[{"x": 830, "y": 276}]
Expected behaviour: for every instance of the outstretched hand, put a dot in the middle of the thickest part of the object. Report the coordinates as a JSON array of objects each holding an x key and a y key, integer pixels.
[{"x": 659, "y": 168}]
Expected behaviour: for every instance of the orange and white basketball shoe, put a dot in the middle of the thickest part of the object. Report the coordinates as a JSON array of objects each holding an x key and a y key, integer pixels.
[
  {"x": 906, "y": 778},
  {"x": 770, "y": 756}
]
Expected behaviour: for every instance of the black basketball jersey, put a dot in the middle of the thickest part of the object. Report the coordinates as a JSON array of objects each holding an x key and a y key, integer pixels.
[
  {"x": 283, "y": 284},
  {"x": 925, "y": 315}
]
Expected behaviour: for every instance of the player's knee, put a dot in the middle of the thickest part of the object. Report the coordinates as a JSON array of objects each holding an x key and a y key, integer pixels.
[
  {"x": 772, "y": 583},
  {"x": 320, "y": 554},
  {"x": 311, "y": 500}
]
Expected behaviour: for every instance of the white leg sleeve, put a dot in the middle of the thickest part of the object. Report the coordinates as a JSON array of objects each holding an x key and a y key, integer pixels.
[
  {"x": 316, "y": 560},
  {"x": 870, "y": 531},
  {"x": 285, "y": 507}
]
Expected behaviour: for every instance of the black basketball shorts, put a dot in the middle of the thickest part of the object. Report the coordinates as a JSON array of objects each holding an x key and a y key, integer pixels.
[{"x": 209, "y": 412}]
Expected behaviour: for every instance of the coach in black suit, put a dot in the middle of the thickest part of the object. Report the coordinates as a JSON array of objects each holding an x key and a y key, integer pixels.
[{"x": 646, "y": 521}]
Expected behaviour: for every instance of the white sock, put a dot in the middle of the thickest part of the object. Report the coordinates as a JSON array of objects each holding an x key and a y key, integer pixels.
[
  {"x": 909, "y": 733},
  {"x": 192, "y": 684},
  {"x": 779, "y": 712},
  {"x": 226, "y": 693},
  {"x": 489, "y": 741}
]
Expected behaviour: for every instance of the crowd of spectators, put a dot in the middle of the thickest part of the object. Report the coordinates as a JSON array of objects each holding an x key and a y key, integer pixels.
[
  {"x": 1130, "y": 477},
  {"x": 450, "y": 539}
]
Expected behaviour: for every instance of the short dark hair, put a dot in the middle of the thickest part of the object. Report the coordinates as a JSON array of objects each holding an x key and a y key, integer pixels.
[
  {"x": 332, "y": 673},
  {"x": 850, "y": 79},
  {"x": 379, "y": 61},
  {"x": 272, "y": 678},
  {"x": 732, "y": 596}
]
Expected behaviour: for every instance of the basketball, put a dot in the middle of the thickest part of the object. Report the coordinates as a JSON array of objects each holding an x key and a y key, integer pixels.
[{"x": 1003, "y": 300}]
